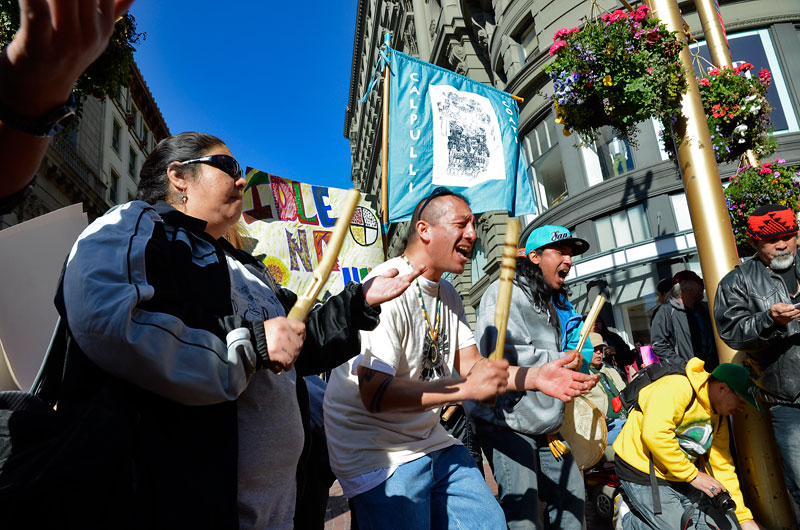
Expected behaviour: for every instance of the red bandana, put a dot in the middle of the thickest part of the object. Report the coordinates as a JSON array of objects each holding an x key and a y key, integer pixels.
[{"x": 771, "y": 225}]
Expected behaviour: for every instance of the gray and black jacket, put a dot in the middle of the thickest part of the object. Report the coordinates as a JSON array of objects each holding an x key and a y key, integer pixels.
[
  {"x": 744, "y": 297},
  {"x": 531, "y": 340},
  {"x": 677, "y": 336},
  {"x": 146, "y": 294}
]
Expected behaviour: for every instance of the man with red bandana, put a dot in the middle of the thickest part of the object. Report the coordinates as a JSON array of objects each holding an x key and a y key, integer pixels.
[
  {"x": 755, "y": 311},
  {"x": 393, "y": 459}
]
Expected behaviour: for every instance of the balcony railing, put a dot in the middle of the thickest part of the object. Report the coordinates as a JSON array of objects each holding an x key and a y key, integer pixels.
[{"x": 71, "y": 158}]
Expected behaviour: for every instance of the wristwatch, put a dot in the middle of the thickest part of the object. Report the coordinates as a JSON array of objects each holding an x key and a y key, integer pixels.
[{"x": 44, "y": 126}]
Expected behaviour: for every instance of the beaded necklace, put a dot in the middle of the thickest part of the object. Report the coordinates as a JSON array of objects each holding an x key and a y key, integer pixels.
[{"x": 433, "y": 330}]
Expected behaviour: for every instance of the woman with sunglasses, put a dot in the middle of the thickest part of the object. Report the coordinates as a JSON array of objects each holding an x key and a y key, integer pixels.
[{"x": 185, "y": 338}]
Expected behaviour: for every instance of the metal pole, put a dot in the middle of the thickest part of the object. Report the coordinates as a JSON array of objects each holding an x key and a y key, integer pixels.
[
  {"x": 385, "y": 150},
  {"x": 717, "y": 251}
]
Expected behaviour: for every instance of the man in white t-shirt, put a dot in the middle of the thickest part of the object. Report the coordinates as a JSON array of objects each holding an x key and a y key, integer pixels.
[{"x": 393, "y": 459}]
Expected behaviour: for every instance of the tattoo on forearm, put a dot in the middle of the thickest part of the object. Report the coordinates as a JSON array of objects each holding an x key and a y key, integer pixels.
[
  {"x": 365, "y": 377},
  {"x": 377, "y": 398}
]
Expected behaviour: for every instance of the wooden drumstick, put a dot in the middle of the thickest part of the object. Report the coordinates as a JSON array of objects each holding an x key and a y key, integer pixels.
[
  {"x": 594, "y": 312},
  {"x": 507, "y": 266},
  {"x": 306, "y": 300}
]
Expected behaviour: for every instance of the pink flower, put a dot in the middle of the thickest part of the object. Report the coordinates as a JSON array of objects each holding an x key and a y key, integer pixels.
[
  {"x": 557, "y": 46},
  {"x": 780, "y": 161},
  {"x": 765, "y": 170},
  {"x": 560, "y": 34},
  {"x": 714, "y": 71},
  {"x": 744, "y": 67},
  {"x": 704, "y": 82}
]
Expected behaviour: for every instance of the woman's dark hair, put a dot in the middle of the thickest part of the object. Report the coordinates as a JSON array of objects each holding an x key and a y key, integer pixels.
[
  {"x": 530, "y": 279},
  {"x": 153, "y": 181}
]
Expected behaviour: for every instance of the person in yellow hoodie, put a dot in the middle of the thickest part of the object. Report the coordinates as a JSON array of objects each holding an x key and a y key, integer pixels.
[{"x": 680, "y": 423}]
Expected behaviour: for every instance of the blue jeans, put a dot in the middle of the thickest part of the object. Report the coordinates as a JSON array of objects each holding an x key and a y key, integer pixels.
[
  {"x": 786, "y": 422},
  {"x": 526, "y": 471},
  {"x": 675, "y": 499},
  {"x": 441, "y": 490}
]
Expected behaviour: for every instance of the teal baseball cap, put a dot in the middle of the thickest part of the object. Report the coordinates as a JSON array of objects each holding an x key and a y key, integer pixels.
[{"x": 551, "y": 235}]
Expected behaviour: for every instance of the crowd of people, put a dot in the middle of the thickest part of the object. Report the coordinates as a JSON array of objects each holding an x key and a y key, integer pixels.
[{"x": 220, "y": 420}]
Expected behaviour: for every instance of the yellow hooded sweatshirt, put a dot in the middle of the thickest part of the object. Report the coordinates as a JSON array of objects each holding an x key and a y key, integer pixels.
[{"x": 656, "y": 427}]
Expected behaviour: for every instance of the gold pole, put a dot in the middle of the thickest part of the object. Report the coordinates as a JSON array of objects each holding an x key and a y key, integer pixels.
[
  {"x": 717, "y": 251},
  {"x": 718, "y": 48},
  {"x": 385, "y": 150}
]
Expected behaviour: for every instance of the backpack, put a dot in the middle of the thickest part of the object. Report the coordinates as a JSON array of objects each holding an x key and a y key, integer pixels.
[{"x": 628, "y": 399}]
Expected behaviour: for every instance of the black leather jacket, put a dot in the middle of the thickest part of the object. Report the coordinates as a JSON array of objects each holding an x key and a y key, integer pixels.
[{"x": 741, "y": 309}]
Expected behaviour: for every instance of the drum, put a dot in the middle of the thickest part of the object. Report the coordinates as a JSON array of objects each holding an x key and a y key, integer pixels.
[{"x": 584, "y": 429}]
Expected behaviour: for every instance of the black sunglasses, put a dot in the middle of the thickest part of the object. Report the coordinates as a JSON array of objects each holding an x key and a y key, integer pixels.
[
  {"x": 441, "y": 191},
  {"x": 225, "y": 163}
]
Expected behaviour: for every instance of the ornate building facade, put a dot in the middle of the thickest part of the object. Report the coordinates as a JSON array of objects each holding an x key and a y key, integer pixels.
[
  {"x": 97, "y": 161},
  {"x": 629, "y": 203}
]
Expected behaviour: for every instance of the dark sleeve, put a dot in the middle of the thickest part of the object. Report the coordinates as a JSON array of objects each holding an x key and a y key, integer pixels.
[
  {"x": 737, "y": 325},
  {"x": 661, "y": 335},
  {"x": 332, "y": 329},
  {"x": 112, "y": 304}
]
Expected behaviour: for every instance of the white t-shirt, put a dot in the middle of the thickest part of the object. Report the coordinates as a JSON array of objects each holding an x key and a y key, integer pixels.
[{"x": 361, "y": 442}]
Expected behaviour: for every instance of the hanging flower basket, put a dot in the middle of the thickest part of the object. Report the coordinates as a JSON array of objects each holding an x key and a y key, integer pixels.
[
  {"x": 737, "y": 111},
  {"x": 754, "y": 186},
  {"x": 617, "y": 71}
]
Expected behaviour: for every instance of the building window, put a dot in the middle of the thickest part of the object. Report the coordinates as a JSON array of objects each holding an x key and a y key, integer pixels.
[
  {"x": 113, "y": 186},
  {"x": 546, "y": 168},
  {"x": 133, "y": 119},
  {"x": 619, "y": 157},
  {"x": 116, "y": 128},
  {"x": 681, "y": 210},
  {"x": 622, "y": 228},
  {"x": 756, "y": 47},
  {"x": 528, "y": 41},
  {"x": 132, "y": 163},
  {"x": 145, "y": 135}
]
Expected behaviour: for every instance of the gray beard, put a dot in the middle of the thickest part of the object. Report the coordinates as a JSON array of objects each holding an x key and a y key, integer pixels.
[{"x": 782, "y": 262}]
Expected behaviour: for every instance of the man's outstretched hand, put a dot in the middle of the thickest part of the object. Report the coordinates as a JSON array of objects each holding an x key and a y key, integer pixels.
[
  {"x": 555, "y": 379},
  {"x": 383, "y": 288}
]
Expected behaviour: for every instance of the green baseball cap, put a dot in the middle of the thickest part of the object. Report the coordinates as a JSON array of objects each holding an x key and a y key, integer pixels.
[{"x": 738, "y": 378}]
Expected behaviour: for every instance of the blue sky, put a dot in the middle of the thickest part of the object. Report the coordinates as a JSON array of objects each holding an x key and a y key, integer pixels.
[{"x": 269, "y": 78}]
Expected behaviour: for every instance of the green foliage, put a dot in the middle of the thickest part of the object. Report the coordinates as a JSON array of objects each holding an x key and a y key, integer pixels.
[
  {"x": 616, "y": 71},
  {"x": 737, "y": 111},
  {"x": 110, "y": 70},
  {"x": 751, "y": 187}
]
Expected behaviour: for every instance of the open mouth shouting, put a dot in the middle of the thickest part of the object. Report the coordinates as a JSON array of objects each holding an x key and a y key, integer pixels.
[{"x": 464, "y": 251}]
